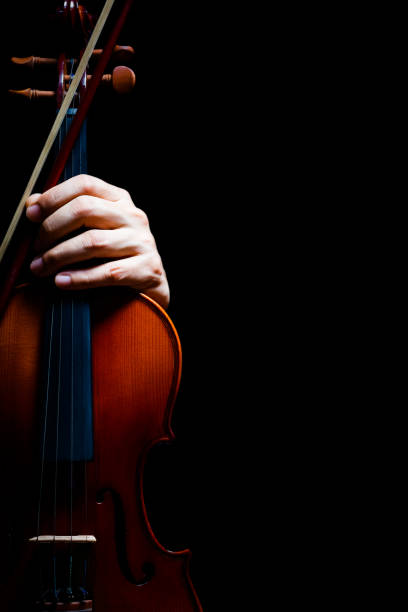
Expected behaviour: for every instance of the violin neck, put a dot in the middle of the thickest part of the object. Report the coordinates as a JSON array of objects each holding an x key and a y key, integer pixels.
[
  {"x": 77, "y": 161},
  {"x": 67, "y": 388}
]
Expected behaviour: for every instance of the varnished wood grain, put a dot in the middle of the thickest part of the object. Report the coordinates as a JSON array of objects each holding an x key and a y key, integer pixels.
[{"x": 136, "y": 365}]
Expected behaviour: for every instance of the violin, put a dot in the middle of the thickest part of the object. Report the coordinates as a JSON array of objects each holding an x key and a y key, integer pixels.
[{"x": 89, "y": 381}]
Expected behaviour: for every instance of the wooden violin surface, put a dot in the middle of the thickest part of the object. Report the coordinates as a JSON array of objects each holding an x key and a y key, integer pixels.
[
  {"x": 136, "y": 365},
  {"x": 88, "y": 383}
]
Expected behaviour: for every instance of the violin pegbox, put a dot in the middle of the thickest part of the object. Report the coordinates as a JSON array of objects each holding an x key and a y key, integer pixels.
[
  {"x": 73, "y": 27},
  {"x": 122, "y": 79}
]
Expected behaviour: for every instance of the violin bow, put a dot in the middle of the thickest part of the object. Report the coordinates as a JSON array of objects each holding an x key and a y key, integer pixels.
[{"x": 69, "y": 140}]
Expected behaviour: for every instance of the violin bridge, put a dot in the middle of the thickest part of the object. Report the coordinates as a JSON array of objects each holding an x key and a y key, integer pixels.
[{"x": 77, "y": 539}]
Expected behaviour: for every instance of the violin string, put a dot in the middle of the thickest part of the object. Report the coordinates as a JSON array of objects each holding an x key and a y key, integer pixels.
[
  {"x": 54, "y": 561},
  {"x": 82, "y": 168},
  {"x": 57, "y": 424},
  {"x": 46, "y": 407},
  {"x": 45, "y": 423},
  {"x": 72, "y": 390},
  {"x": 72, "y": 432},
  {"x": 72, "y": 357}
]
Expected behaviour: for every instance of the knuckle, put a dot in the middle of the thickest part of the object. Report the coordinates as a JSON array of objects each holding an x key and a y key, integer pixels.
[
  {"x": 47, "y": 200},
  {"x": 51, "y": 258},
  {"x": 115, "y": 273},
  {"x": 99, "y": 239},
  {"x": 83, "y": 279},
  {"x": 142, "y": 244},
  {"x": 150, "y": 243},
  {"x": 124, "y": 193},
  {"x": 86, "y": 182},
  {"x": 156, "y": 264},
  {"x": 153, "y": 272},
  {"x": 46, "y": 227},
  {"x": 92, "y": 240},
  {"x": 140, "y": 215},
  {"x": 80, "y": 207}
]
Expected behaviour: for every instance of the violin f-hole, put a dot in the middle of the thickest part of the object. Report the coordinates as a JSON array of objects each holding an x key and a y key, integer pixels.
[{"x": 120, "y": 540}]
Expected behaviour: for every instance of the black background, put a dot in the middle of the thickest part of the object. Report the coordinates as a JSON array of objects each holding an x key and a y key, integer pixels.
[
  {"x": 251, "y": 202},
  {"x": 177, "y": 143}
]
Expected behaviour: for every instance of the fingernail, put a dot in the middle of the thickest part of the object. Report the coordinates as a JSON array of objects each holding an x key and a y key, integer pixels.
[
  {"x": 34, "y": 212},
  {"x": 32, "y": 198},
  {"x": 62, "y": 280},
  {"x": 37, "y": 265}
]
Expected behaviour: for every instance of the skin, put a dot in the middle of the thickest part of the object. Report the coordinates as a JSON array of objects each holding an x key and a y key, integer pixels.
[{"x": 112, "y": 228}]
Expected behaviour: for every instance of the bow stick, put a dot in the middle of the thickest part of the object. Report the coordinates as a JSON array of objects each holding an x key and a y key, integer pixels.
[{"x": 69, "y": 140}]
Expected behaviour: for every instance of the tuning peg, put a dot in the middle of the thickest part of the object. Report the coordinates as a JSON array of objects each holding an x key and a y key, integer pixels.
[
  {"x": 33, "y": 61},
  {"x": 120, "y": 54},
  {"x": 122, "y": 79},
  {"x": 33, "y": 94}
]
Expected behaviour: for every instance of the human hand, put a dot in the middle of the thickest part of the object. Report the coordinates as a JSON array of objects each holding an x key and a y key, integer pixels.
[{"x": 115, "y": 229}]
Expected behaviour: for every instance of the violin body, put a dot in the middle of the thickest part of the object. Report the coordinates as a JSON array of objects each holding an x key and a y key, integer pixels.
[
  {"x": 88, "y": 383},
  {"x": 136, "y": 364}
]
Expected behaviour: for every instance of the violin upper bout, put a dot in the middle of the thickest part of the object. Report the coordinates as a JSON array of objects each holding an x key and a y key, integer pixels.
[{"x": 135, "y": 342}]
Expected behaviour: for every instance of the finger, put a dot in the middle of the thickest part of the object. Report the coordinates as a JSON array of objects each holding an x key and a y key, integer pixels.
[
  {"x": 40, "y": 206},
  {"x": 83, "y": 211},
  {"x": 34, "y": 212},
  {"x": 89, "y": 245},
  {"x": 141, "y": 272}
]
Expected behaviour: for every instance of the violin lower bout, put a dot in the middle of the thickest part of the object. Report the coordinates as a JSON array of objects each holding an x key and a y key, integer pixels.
[{"x": 136, "y": 366}]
